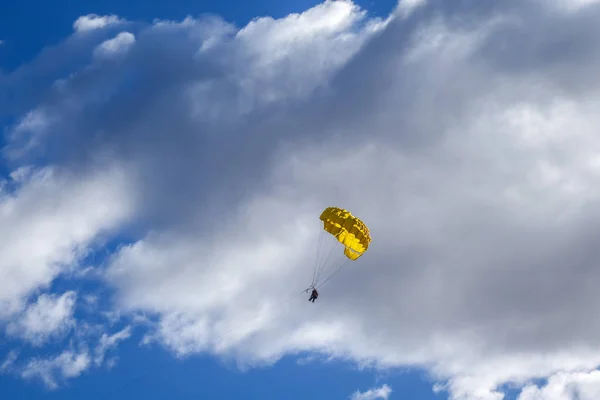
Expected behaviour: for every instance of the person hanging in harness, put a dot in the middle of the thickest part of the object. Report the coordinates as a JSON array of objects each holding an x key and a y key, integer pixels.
[{"x": 313, "y": 296}]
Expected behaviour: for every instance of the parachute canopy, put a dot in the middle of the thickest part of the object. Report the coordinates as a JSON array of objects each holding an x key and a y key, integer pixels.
[{"x": 348, "y": 230}]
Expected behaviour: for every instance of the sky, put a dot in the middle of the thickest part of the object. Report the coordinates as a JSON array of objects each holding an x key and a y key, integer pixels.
[{"x": 163, "y": 167}]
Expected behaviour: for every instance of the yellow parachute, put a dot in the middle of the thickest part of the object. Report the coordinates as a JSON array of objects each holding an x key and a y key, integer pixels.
[{"x": 346, "y": 229}]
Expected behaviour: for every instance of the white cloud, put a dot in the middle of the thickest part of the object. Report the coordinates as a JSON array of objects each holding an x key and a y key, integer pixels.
[
  {"x": 52, "y": 371},
  {"x": 91, "y": 301},
  {"x": 573, "y": 5},
  {"x": 93, "y": 21},
  {"x": 9, "y": 361},
  {"x": 276, "y": 38},
  {"x": 307, "y": 47},
  {"x": 407, "y": 7},
  {"x": 29, "y": 129},
  {"x": 380, "y": 393},
  {"x": 50, "y": 315},
  {"x": 566, "y": 386},
  {"x": 118, "y": 45},
  {"x": 47, "y": 222},
  {"x": 465, "y": 137},
  {"x": 108, "y": 342}
]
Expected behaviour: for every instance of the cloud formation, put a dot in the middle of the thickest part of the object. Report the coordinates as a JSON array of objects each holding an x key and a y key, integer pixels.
[
  {"x": 50, "y": 315},
  {"x": 52, "y": 371},
  {"x": 94, "y": 21},
  {"x": 381, "y": 393},
  {"x": 464, "y": 135},
  {"x": 574, "y": 385},
  {"x": 108, "y": 342},
  {"x": 115, "y": 46},
  {"x": 48, "y": 219}
]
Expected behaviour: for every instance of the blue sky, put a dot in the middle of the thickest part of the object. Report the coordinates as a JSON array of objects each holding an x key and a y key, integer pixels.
[{"x": 164, "y": 165}]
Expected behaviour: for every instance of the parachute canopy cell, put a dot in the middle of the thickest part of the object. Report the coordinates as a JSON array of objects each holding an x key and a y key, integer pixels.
[{"x": 348, "y": 230}]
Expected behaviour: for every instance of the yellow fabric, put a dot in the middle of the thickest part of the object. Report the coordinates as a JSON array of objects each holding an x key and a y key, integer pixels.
[{"x": 348, "y": 230}]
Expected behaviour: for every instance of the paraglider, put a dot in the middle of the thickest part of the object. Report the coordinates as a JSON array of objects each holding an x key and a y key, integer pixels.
[
  {"x": 345, "y": 229},
  {"x": 313, "y": 296}
]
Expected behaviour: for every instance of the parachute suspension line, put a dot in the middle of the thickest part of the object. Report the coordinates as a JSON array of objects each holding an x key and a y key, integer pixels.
[
  {"x": 322, "y": 266},
  {"x": 321, "y": 236},
  {"x": 322, "y": 258},
  {"x": 329, "y": 264},
  {"x": 339, "y": 268}
]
